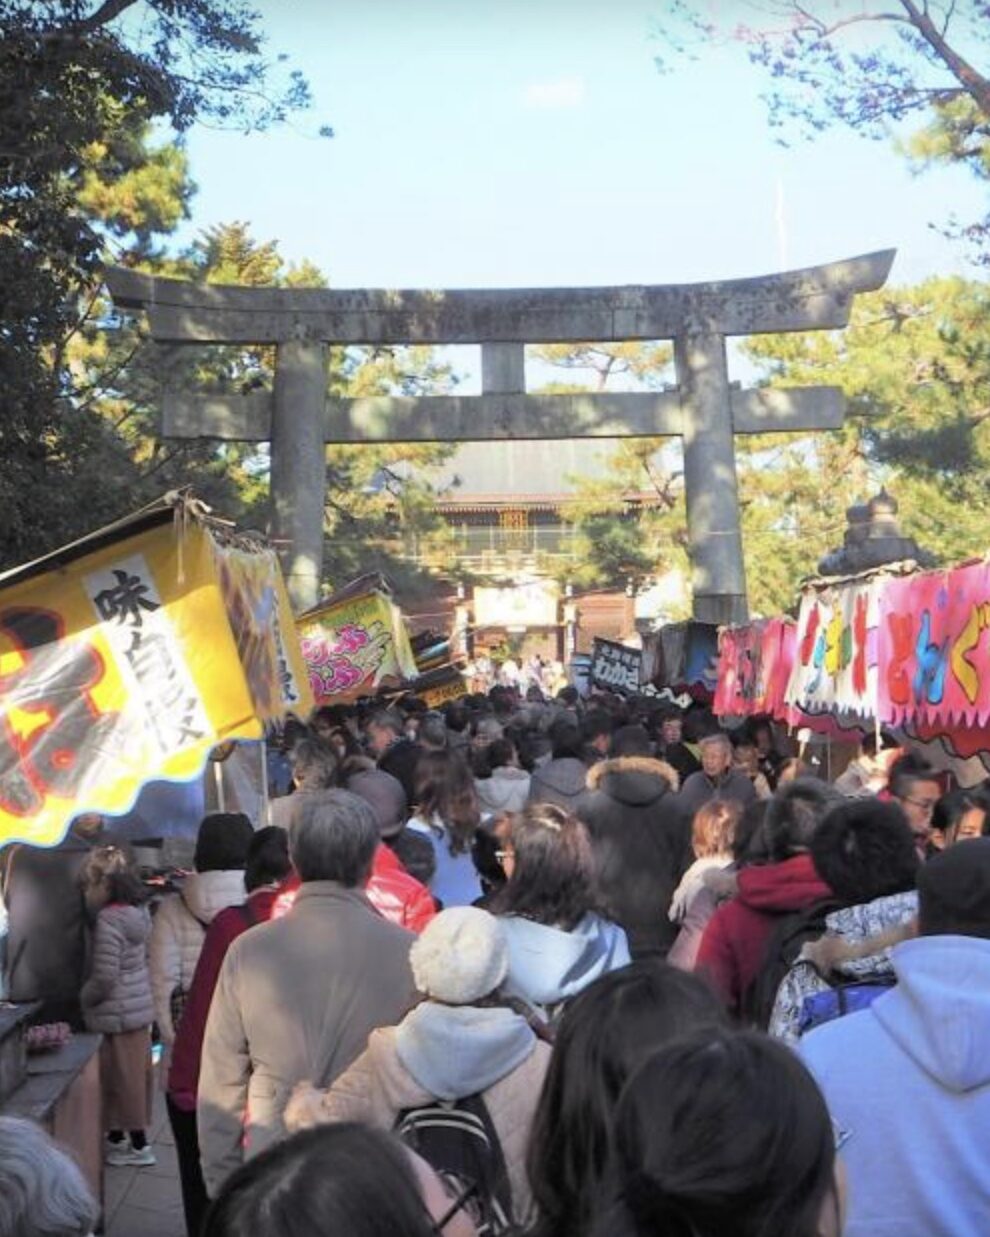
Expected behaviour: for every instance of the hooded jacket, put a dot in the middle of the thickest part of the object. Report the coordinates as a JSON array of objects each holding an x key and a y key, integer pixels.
[
  {"x": 641, "y": 841},
  {"x": 117, "y": 995},
  {"x": 507, "y": 790},
  {"x": 561, "y": 781},
  {"x": 845, "y": 930},
  {"x": 548, "y": 965},
  {"x": 734, "y": 945},
  {"x": 909, "y": 1080},
  {"x": 442, "y": 1052},
  {"x": 177, "y": 936}
]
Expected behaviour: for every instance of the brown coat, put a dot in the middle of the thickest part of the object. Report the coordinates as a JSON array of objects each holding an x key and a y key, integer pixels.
[{"x": 296, "y": 999}]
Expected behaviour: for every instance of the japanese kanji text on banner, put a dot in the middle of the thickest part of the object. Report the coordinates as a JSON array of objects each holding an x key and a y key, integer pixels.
[{"x": 128, "y": 662}]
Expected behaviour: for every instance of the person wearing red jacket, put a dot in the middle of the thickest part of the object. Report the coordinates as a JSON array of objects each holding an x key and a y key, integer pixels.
[
  {"x": 267, "y": 867},
  {"x": 393, "y": 893},
  {"x": 733, "y": 948}
]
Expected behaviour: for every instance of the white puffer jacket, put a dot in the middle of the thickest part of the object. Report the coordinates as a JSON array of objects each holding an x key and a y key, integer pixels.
[{"x": 180, "y": 924}]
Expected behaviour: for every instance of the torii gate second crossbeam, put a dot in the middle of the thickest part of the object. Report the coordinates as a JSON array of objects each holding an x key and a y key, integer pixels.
[{"x": 298, "y": 418}]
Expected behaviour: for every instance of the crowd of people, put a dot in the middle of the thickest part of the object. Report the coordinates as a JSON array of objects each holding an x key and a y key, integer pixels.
[{"x": 536, "y": 965}]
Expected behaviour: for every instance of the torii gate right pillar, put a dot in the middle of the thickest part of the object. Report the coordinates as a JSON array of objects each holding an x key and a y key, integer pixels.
[{"x": 710, "y": 484}]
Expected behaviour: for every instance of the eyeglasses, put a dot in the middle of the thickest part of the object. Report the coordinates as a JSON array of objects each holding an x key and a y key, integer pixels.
[
  {"x": 502, "y": 855},
  {"x": 926, "y": 805},
  {"x": 840, "y": 1136},
  {"x": 458, "y": 1205}
]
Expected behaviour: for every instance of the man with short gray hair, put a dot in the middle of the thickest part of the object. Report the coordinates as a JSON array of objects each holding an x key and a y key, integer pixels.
[
  {"x": 298, "y": 997},
  {"x": 314, "y": 768},
  {"x": 716, "y": 779}
]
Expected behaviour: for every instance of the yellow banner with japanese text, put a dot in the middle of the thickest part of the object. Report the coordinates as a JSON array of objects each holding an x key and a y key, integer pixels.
[{"x": 127, "y": 664}]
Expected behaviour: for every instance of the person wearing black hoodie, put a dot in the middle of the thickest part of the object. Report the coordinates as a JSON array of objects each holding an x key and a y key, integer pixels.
[{"x": 641, "y": 838}]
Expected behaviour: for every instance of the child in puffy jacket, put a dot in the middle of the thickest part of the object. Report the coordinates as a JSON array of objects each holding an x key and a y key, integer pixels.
[{"x": 116, "y": 1000}]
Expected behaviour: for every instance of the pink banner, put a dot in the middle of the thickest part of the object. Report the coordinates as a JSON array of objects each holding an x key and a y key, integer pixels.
[
  {"x": 935, "y": 649},
  {"x": 753, "y": 667}
]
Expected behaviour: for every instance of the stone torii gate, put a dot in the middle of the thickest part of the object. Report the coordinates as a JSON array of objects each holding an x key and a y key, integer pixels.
[{"x": 298, "y": 417}]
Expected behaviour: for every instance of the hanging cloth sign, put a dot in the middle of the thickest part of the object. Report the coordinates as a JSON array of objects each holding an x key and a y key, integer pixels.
[
  {"x": 835, "y": 652},
  {"x": 124, "y": 659},
  {"x": 935, "y": 649},
  {"x": 616, "y": 667},
  {"x": 753, "y": 668},
  {"x": 353, "y": 646}
]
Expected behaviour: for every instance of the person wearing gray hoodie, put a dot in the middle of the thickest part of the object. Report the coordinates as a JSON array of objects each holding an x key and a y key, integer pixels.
[
  {"x": 459, "y": 1041},
  {"x": 562, "y": 779},
  {"x": 506, "y": 788},
  {"x": 907, "y": 1081}
]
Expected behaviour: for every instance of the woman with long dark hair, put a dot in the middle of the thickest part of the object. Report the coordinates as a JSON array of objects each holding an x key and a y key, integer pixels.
[
  {"x": 722, "y": 1133},
  {"x": 447, "y": 813},
  {"x": 603, "y": 1036},
  {"x": 558, "y": 941}
]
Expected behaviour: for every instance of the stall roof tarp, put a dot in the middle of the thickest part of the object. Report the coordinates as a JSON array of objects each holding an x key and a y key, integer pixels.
[{"x": 127, "y": 656}]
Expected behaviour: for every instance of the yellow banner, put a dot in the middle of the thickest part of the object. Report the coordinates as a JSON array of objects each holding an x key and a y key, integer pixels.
[
  {"x": 352, "y": 646},
  {"x": 434, "y": 697},
  {"x": 122, "y": 667},
  {"x": 264, "y": 630}
]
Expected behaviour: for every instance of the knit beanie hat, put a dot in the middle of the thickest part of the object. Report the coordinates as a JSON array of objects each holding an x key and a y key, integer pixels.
[
  {"x": 461, "y": 956},
  {"x": 386, "y": 796}
]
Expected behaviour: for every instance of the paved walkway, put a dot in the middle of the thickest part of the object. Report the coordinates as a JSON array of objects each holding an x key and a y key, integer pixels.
[{"x": 147, "y": 1202}]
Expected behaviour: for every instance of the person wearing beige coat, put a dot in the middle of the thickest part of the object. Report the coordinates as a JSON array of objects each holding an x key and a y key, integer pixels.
[
  {"x": 458, "y": 1042},
  {"x": 298, "y": 997}
]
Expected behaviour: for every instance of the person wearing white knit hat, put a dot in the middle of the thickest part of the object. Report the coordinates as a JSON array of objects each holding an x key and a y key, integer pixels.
[
  {"x": 461, "y": 957},
  {"x": 460, "y": 1040}
]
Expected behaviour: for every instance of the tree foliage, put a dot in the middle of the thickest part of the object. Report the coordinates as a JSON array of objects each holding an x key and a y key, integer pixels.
[
  {"x": 81, "y": 84},
  {"x": 914, "y": 364},
  {"x": 920, "y": 66}
]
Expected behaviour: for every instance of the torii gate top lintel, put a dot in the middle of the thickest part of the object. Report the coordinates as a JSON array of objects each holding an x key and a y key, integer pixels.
[{"x": 815, "y": 298}]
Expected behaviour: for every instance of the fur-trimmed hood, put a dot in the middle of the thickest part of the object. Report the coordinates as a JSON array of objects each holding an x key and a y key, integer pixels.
[{"x": 633, "y": 779}]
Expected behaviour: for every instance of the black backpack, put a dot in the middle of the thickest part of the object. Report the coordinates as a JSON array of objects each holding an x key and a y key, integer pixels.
[
  {"x": 790, "y": 934},
  {"x": 460, "y": 1142}
]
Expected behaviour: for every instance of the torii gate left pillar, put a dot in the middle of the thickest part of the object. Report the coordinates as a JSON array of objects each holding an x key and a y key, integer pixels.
[{"x": 298, "y": 418}]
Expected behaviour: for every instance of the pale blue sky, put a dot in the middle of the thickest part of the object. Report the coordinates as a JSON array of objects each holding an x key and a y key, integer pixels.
[{"x": 484, "y": 143}]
